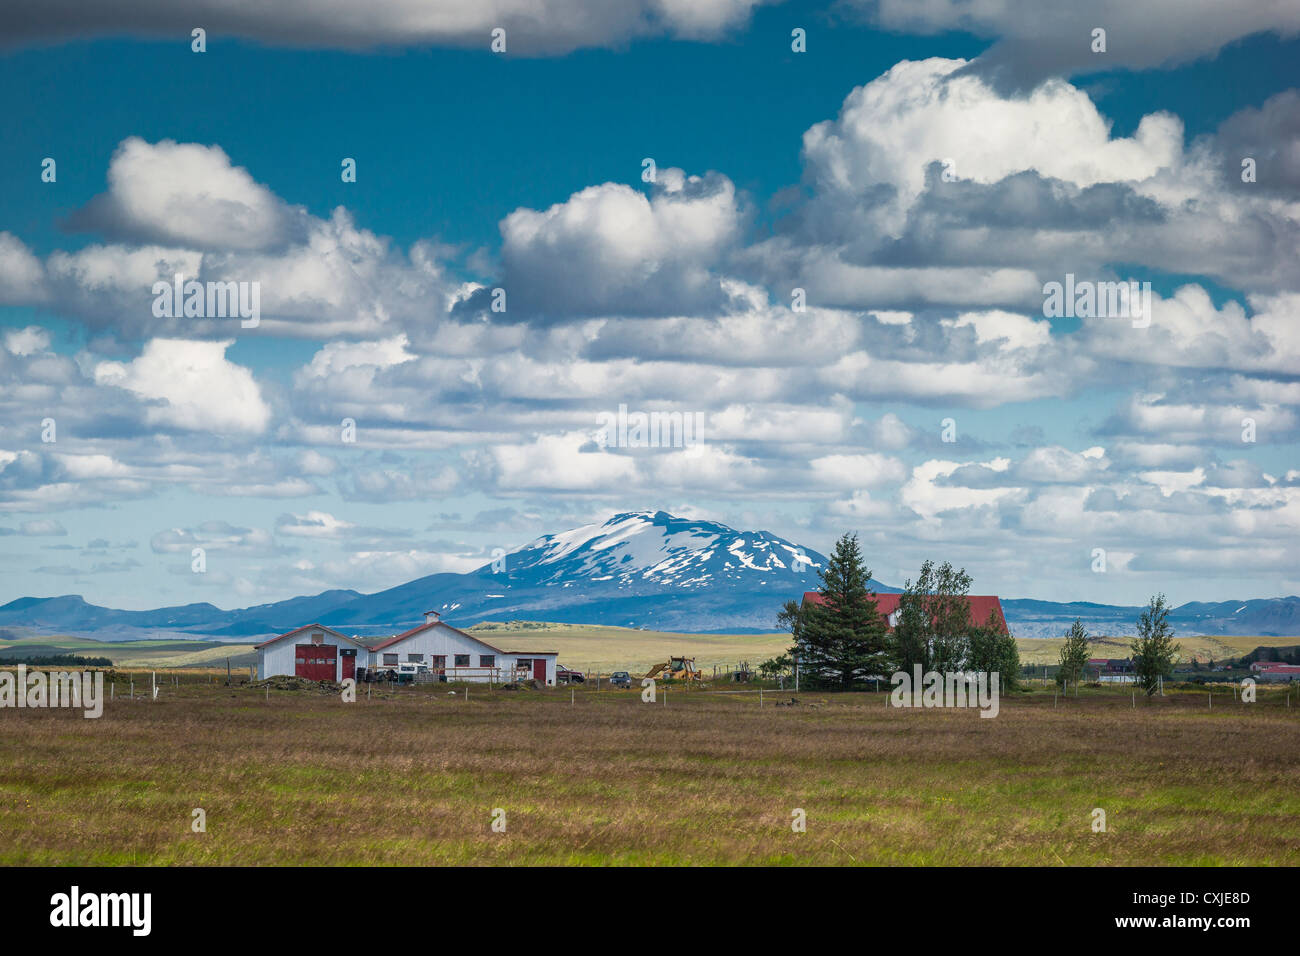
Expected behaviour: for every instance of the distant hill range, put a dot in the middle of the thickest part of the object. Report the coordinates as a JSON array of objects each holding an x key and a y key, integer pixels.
[
  {"x": 639, "y": 569},
  {"x": 1263, "y": 617}
]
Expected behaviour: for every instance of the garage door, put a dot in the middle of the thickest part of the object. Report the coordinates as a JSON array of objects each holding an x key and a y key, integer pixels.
[{"x": 315, "y": 661}]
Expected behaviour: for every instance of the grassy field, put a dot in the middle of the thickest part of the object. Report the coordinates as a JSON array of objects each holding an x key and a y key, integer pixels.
[
  {"x": 589, "y": 647},
  {"x": 592, "y": 647},
  {"x": 1047, "y": 650},
  {"x": 413, "y": 776},
  {"x": 137, "y": 653}
]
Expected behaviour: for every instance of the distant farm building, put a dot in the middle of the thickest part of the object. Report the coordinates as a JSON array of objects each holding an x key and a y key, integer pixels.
[
  {"x": 1110, "y": 670},
  {"x": 1275, "y": 672},
  {"x": 441, "y": 651},
  {"x": 981, "y": 606}
]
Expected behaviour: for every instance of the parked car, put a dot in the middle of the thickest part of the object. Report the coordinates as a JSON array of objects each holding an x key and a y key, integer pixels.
[
  {"x": 565, "y": 676},
  {"x": 620, "y": 679}
]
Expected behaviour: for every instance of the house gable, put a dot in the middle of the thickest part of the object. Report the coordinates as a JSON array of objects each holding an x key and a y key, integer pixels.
[
  {"x": 406, "y": 635},
  {"x": 308, "y": 628}
]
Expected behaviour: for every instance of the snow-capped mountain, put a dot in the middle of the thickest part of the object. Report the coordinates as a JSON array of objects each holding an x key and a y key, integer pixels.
[
  {"x": 644, "y": 549},
  {"x": 637, "y": 569}
]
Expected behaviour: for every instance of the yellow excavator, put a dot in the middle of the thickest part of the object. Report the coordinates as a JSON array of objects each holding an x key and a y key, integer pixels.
[{"x": 677, "y": 668}]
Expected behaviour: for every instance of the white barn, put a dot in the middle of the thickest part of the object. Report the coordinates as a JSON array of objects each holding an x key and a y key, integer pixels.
[
  {"x": 312, "y": 651},
  {"x": 322, "y": 653}
]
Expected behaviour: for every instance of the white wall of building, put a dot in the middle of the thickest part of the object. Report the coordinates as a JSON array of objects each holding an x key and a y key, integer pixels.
[
  {"x": 443, "y": 640},
  {"x": 278, "y": 659},
  {"x": 437, "y": 639},
  {"x": 551, "y": 665}
]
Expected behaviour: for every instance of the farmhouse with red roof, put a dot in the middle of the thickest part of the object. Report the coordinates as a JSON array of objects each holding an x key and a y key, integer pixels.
[
  {"x": 1275, "y": 671},
  {"x": 981, "y": 606}
]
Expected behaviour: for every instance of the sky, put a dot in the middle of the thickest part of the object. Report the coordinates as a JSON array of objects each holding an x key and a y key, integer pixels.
[{"x": 824, "y": 231}]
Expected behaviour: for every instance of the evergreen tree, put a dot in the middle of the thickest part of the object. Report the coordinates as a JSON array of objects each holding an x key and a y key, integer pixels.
[
  {"x": 1074, "y": 655},
  {"x": 841, "y": 639},
  {"x": 1154, "y": 651}
]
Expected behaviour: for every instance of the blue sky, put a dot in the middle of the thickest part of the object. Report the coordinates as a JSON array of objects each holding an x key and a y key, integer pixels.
[{"x": 820, "y": 170}]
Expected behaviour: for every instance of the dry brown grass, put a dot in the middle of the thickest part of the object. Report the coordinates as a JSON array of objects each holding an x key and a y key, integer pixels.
[
  {"x": 1047, "y": 650},
  {"x": 710, "y": 778},
  {"x": 591, "y": 647}
]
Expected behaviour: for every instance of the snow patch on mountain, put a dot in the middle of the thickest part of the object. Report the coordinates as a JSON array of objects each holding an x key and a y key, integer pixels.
[{"x": 656, "y": 548}]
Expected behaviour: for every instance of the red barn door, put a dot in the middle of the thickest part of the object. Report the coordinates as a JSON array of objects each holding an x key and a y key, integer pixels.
[
  {"x": 539, "y": 669},
  {"x": 315, "y": 661}
]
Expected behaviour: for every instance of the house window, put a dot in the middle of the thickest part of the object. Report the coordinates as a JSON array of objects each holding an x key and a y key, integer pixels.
[
  {"x": 462, "y": 660},
  {"x": 439, "y": 662},
  {"x": 390, "y": 658},
  {"x": 415, "y": 658},
  {"x": 487, "y": 660}
]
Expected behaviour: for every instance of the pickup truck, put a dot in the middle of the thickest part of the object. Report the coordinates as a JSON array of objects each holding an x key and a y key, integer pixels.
[{"x": 565, "y": 676}]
